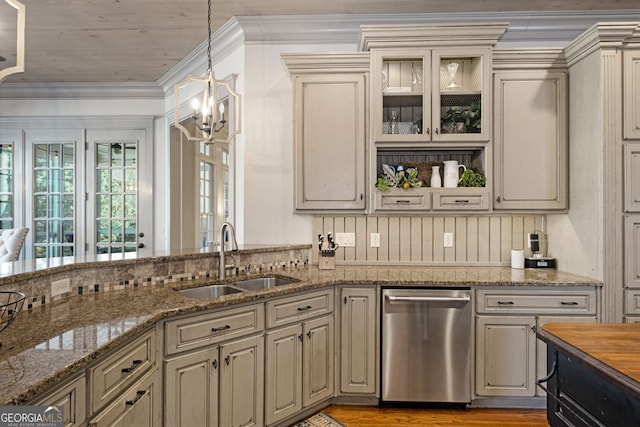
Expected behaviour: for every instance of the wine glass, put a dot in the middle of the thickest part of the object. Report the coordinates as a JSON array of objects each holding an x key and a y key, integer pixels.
[
  {"x": 416, "y": 76},
  {"x": 453, "y": 70}
]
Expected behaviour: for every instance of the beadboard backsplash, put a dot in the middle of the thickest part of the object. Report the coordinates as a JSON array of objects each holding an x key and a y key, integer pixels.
[{"x": 477, "y": 239}]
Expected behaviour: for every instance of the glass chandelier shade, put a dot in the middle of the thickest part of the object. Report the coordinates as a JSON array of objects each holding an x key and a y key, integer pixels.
[
  {"x": 20, "y": 39},
  {"x": 209, "y": 96}
]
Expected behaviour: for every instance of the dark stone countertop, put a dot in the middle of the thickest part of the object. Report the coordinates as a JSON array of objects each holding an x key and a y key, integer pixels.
[{"x": 48, "y": 344}]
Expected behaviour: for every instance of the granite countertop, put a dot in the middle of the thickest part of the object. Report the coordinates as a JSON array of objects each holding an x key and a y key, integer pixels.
[
  {"x": 51, "y": 343},
  {"x": 612, "y": 351}
]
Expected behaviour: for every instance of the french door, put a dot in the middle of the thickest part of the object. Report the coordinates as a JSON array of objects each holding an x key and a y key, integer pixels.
[{"x": 84, "y": 192}]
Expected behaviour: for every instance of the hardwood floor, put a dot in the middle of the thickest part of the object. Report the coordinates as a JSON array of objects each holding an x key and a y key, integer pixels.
[{"x": 367, "y": 416}]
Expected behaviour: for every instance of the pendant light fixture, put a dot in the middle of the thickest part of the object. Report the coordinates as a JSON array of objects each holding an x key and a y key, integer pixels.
[
  {"x": 20, "y": 29},
  {"x": 209, "y": 97}
]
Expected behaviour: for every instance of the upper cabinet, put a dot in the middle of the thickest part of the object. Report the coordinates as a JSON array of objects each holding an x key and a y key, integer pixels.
[
  {"x": 330, "y": 130},
  {"x": 431, "y": 95},
  {"x": 631, "y": 94},
  {"x": 530, "y": 130}
]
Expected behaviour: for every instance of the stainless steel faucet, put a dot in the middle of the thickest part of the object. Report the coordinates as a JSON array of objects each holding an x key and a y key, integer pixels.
[{"x": 222, "y": 267}]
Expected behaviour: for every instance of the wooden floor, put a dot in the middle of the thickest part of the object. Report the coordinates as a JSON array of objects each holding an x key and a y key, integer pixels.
[{"x": 366, "y": 416}]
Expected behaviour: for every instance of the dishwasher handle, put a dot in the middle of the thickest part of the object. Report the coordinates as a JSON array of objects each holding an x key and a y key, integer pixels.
[{"x": 393, "y": 299}]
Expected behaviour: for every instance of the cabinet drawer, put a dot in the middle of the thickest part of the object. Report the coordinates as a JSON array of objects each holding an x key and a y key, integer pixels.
[
  {"x": 461, "y": 199},
  {"x": 72, "y": 398},
  {"x": 409, "y": 199},
  {"x": 193, "y": 332},
  {"x": 632, "y": 301},
  {"x": 542, "y": 302},
  {"x": 287, "y": 310},
  {"x": 110, "y": 377},
  {"x": 136, "y": 406}
]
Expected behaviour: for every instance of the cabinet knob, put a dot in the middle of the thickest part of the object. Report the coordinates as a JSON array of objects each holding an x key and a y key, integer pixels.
[
  {"x": 301, "y": 337},
  {"x": 498, "y": 199},
  {"x": 215, "y": 363},
  {"x": 534, "y": 329},
  {"x": 309, "y": 334},
  {"x": 427, "y": 131},
  {"x": 140, "y": 245},
  {"x": 227, "y": 360},
  {"x": 345, "y": 300},
  {"x": 436, "y": 131}
]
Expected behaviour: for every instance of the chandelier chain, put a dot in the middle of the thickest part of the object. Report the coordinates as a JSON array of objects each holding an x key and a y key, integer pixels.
[{"x": 209, "y": 36}]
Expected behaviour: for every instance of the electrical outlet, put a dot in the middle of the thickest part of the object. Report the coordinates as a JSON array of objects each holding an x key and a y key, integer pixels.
[
  {"x": 60, "y": 287},
  {"x": 375, "y": 240},
  {"x": 346, "y": 240},
  {"x": 448, "y": 240}
]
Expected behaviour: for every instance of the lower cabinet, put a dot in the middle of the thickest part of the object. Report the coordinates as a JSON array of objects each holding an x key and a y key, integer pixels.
[
  {"x": 220, "y": 385},
  {"x": 299, "y": 355},
  {"x": 72, "y": 397},
  {"x": 358, "y": 347},
  {"x": 509, "y": 358},
  {"x": 137, "y": 406}
]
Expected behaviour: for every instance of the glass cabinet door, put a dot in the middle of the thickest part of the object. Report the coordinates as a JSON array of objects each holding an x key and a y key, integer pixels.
[
  {"x": 460, "y": 88},
  {"x": 403, "y": 93}
]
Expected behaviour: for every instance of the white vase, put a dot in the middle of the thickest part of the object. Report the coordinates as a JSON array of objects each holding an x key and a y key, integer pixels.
[{"x": 435, "y": 177}]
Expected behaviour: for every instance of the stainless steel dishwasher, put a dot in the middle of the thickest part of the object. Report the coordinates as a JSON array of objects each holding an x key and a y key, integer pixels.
[{"x": 426, "y": 345}]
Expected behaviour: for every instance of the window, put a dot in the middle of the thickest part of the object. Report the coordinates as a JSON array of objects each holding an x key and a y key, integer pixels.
[
  {"x": 6, "y": 186},
  {"x": 213, "y": 191}
]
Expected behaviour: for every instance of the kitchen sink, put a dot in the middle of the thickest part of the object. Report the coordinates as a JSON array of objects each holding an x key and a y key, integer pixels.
[
  {"x": 263, "y": 283},
  {"x": 211, "y": 291}
]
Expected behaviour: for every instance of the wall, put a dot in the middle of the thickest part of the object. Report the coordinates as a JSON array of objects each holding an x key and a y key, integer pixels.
[
  {"x": 478, "y": 239},
  {"x": 577, "y": 237}
]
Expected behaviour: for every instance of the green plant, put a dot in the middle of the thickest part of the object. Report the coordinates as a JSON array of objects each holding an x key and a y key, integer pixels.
[
  {"x": 469, "y": 178},
  {"x": 471, "y": 117}
]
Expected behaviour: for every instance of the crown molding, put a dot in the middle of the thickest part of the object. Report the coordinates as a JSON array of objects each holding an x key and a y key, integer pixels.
[
  {"x": 80, "y": 90},
  {"x": 528, "y": 58},
  {"x": 302, "y": 63},
  {"x": 608, "y": 35}
]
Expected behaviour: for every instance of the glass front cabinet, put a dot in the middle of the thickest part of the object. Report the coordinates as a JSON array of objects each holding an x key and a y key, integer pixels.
[{"x": 431, "y": 95}]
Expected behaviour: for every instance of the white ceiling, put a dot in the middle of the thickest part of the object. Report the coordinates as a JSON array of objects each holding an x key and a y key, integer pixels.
[{"x": 140, "y": 40}]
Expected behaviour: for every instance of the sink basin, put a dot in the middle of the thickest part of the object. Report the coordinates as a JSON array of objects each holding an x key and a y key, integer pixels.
[
  {"x": 211, "y": 291},
  {"x": 263, "y": 283}
]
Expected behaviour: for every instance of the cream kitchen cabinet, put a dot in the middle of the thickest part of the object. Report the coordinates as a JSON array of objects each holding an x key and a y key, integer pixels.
[
  {"x": 530, "y": 167},
  {"x": 414, "y": 90},
  {"x": 139, "y": 405},
  {"x": 509, "y": 359},
  {"x": 330, "y": 130},
  {"x": 632, "y": 251},
  {"x": 72, "y": 397},
  {"x": 358, "y": 340},
  {"x": 632, "y": 177},
  {"x": 631, "y": 93},
  {"x": 214, "y": 372},
  {"x": 299, "y": 356}
]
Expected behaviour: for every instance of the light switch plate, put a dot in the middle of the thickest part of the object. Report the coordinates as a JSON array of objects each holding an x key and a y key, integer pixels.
[
  {"x": 375, "y": 240},
  {"x": 346, "y": 240},
  {"x": 448, "y": 240}
]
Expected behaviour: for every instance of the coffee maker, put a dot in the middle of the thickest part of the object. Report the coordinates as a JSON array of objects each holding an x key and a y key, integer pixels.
[{"x": 538, "y": 258}]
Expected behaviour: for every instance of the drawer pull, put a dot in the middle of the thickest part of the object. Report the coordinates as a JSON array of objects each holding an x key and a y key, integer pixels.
[
  {"x": 505, "y": 302},
  {"x": 309, "y": 334},
  {"x": 133, "y": 366},
  {"x": 227, "y": 360},
  {"x": 403, "y": 201},
  {"x": 139, "y": 395},
  {"x": 568, "y": 303},
  {"x": 462, "y": 201},
  {"x": 304, "y": 308},
  {"x": 222, "y": 328}
]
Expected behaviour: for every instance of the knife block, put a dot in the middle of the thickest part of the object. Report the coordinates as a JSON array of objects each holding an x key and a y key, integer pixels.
[{"x": 327, "y": 259}]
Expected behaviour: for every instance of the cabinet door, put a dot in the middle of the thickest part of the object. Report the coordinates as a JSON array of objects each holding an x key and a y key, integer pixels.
[
  {"x": 330, "y": 136},
  {"x": 542, "y": 347},
  {"x": 137, "y": 406},
  {"x": 318, "y": 353},
  {"x": 631, "y": 91},
  {"x": 460, "y": 94},
  {"x": 505, "y": 356},
  {"x": 358, "y": 341},
  {"x": 242, "y": 382},
  {"x": 283, "y": 376},
  {"x": 530, "y": 151},
  {"x": 71, "y": 397},
  {"x": 191, "y": 389},
  {"x": 632, "y": 251},
  {"x": 632, "y": 177}
]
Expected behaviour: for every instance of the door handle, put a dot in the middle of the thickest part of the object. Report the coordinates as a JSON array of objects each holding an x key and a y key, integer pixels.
[{"x": 392, "y": 299}]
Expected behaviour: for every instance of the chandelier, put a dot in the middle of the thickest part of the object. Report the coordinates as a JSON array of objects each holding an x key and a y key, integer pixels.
[
  {"x": 19, "y": 67},
  {"x": 208, "y": 114}
]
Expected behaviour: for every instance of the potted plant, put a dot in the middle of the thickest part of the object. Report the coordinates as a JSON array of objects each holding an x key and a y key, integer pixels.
[{"x": 462, "y": 120}]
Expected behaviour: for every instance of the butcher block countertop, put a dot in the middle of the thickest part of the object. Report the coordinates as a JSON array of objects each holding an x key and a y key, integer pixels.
[
  {"x": 610, "y": 350},
  {"x": 49, "y": 344}
]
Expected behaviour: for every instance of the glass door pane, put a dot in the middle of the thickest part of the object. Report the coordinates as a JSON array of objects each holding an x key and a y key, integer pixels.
[
  {"x": 116, "y": 187},
  {"x": 53, "y": 199},
  {"x": 6, "y": 186}
]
